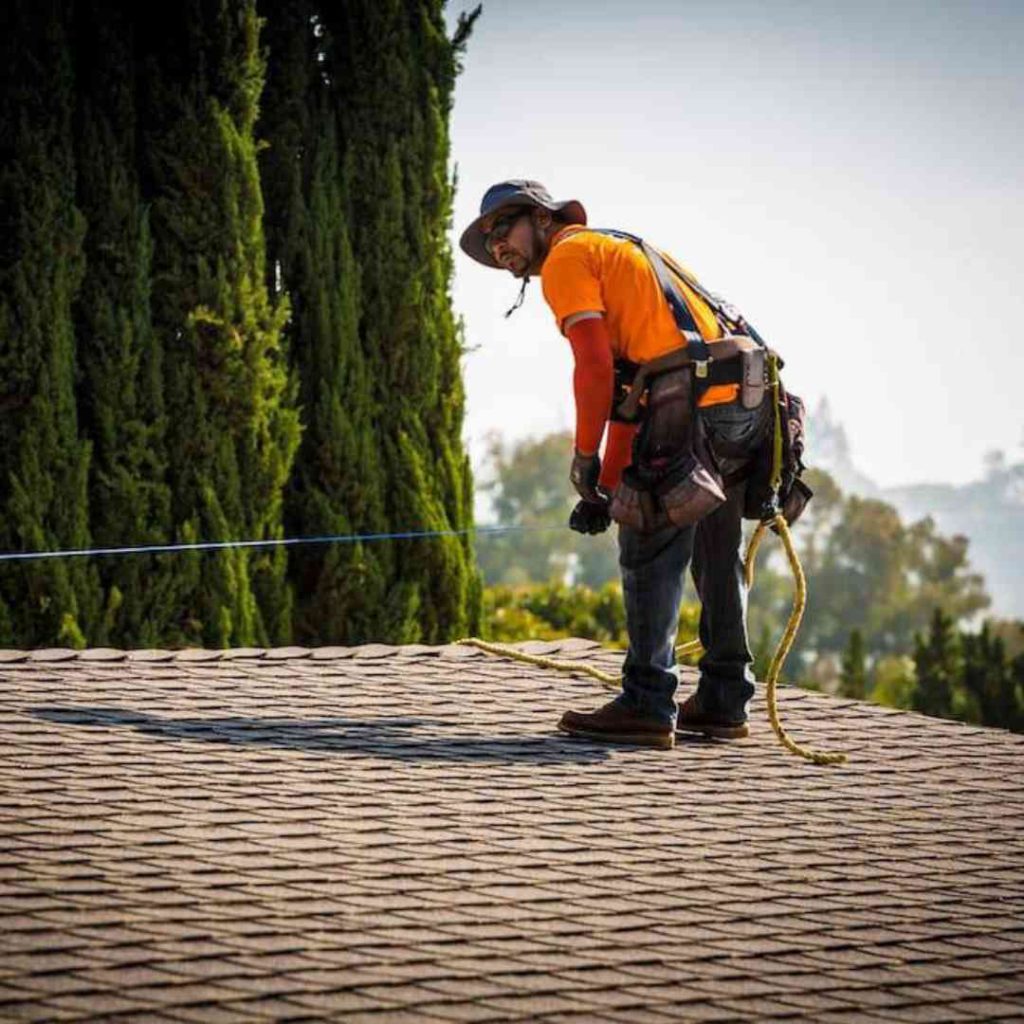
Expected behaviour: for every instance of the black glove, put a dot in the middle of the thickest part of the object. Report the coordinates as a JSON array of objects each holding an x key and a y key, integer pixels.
[
  {"x": 584, "y": 473},
  {"x": 590, "y": 517}
]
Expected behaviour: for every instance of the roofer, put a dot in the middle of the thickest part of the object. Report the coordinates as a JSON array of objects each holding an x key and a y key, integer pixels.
[{"x": 659, "y": 364}]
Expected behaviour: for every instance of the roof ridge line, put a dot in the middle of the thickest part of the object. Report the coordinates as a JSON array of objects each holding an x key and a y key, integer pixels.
[{"x": 575, "y": 646}]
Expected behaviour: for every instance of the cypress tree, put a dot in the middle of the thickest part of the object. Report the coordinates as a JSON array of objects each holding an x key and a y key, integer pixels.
[
  {"x": 43, "y": 461},
  {"x": 1017, "y": 683},
  {"x": 356, "y": 112},
  {"x": 395, "y": 69},
  {"x": 336, "y": 486},
  {"x": 853, "y": 673},
  {"x": 185, "y": 386},
  {"x": 938, "y": 663},
  {"x": 121, "y": 392},
  {"x": 232, "y": 424},
  {"x": 988, "y": 679}
]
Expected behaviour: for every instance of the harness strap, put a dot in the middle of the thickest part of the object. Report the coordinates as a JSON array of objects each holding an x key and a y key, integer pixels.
[
  {"x": 729, "y": 317},
  {"x": 696, "y": 346}
]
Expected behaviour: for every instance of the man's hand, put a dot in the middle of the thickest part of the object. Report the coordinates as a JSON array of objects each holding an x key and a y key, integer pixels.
[
  {"x": 590, "y": 517},
  {"x": 584, "y": 475}
]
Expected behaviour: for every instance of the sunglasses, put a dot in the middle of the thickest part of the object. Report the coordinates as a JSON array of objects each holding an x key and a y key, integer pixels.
[{"x": 502, "y": 226}]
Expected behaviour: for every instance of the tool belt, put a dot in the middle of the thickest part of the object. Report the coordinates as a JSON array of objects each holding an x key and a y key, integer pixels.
[
  {"x": 675, "y": 477},
  {"x": 672, "y": 479},
  {"x": 732, "y": 360}
]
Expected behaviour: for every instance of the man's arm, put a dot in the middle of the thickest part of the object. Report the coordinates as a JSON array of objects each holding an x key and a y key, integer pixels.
[
  {"x": 593, "y": 385},
  {"x": 593, "y": 378}
]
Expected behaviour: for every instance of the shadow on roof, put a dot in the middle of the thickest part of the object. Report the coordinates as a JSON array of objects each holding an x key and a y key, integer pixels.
[{"x": 400, "y": 738}]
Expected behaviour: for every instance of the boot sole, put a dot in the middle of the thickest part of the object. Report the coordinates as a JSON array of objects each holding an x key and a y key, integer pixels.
[
  {"x": 638, "y": 739},
  {"x": 718, "y": 732}
]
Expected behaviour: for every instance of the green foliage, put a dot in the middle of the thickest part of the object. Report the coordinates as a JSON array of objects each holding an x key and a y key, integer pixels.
[
  {"x": 937, "y": 659},
  {"x": 120, "y": 394},
  {"x": 991, "y": 682},
  {"x": 361, "y": 232},
  {"x": 232, "y": 425},
  {"x": 894, "y": 680},
  {"x": 563, "y": 611},
  {"x": 853, "y": 671},
  {"x": 44, "y": 460},
  {"x": 335, "y": 487},
  {"x": 133, "y": 263},
  {"x": 968, "y": 676},
  {"x": 879, "y": 576},
  {"x": 549, "y": 611}
]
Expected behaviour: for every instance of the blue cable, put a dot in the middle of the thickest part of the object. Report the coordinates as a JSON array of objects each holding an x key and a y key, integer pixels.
[{"x": 213, "y": 545}]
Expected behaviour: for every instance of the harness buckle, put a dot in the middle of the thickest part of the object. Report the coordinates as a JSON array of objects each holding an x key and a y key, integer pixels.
[{"x": 700, "y": 368}]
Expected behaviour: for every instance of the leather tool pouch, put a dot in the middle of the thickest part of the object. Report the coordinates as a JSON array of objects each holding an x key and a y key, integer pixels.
[
  {"x": 685, "y": 494},
  {"x": 793, "y": 494},
  {"x": 667, "y": 484},
  {"x": 796, "y": 501},
  {"x": 689, "y": 493},
  {"x": 634, "y": 505}
]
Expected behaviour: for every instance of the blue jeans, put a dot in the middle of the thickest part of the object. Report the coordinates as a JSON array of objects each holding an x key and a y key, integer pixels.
[{"x": 653, "y": 567}]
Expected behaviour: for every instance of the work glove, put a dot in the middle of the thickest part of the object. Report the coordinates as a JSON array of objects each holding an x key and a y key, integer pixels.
[
  {"x": 584, "y": 475},
  {"x": 590, "y": 517}
]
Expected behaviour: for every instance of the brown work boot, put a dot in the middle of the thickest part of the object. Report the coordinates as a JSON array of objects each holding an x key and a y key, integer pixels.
[
  {"x": 614, "y": 723},
  {"x": 692, "y": 718}
]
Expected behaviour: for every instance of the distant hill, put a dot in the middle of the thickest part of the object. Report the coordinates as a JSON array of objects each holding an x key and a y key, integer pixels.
[{"x": 989, "y": 512}]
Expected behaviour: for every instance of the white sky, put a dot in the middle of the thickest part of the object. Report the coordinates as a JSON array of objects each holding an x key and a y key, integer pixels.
[{"x": 847, "y": 174}]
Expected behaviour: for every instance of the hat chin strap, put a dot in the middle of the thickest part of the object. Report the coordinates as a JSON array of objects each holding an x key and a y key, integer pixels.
[{"x": 521, "y": 297}]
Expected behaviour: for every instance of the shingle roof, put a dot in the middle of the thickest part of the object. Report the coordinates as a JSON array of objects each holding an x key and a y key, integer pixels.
[{"x": 381, "y": 833}]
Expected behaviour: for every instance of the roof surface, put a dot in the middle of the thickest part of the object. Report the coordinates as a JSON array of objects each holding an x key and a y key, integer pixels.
[{"x": 384, "y": 834}]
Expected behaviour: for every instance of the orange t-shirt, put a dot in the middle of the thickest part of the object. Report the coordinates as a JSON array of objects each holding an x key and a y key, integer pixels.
[{"x": 585, "y": 270}]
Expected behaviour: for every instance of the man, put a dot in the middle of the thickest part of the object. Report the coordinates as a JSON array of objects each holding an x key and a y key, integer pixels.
[{"x": 608, "y": 303}]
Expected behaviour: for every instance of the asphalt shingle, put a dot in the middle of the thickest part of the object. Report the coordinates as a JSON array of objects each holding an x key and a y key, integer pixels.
[{"x": 391, "y": 833}]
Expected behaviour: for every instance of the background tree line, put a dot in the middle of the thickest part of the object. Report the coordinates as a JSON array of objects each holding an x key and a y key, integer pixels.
[
  {"x": 892, "y": 605},
  {"x": 225, "y": 314}
]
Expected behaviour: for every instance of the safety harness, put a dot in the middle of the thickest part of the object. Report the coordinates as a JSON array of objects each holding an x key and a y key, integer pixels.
[
  {"x": 714, "y": 363},
  {"x": 697, "y": 351},
  {"x": 740, "y": 357}
]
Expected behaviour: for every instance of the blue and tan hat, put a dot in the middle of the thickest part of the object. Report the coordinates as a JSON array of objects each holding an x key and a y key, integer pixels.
[{"x": 517, "y": 192}]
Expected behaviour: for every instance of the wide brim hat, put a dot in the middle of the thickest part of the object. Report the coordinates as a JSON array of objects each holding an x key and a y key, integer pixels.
[{"x": 514, "y": 193}]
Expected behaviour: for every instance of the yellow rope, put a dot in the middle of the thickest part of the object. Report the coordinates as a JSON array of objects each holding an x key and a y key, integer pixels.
[
  {"x": 788, "y": 636},
  {"x": 694, "y": 646},
  {"x": 775, "y": 384},
  {"x": 613, "y": 682},
  {"x": 690, "y": 647}
]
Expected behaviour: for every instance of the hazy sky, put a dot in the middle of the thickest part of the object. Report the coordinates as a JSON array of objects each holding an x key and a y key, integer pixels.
[{"x": 847, "y": 174}]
